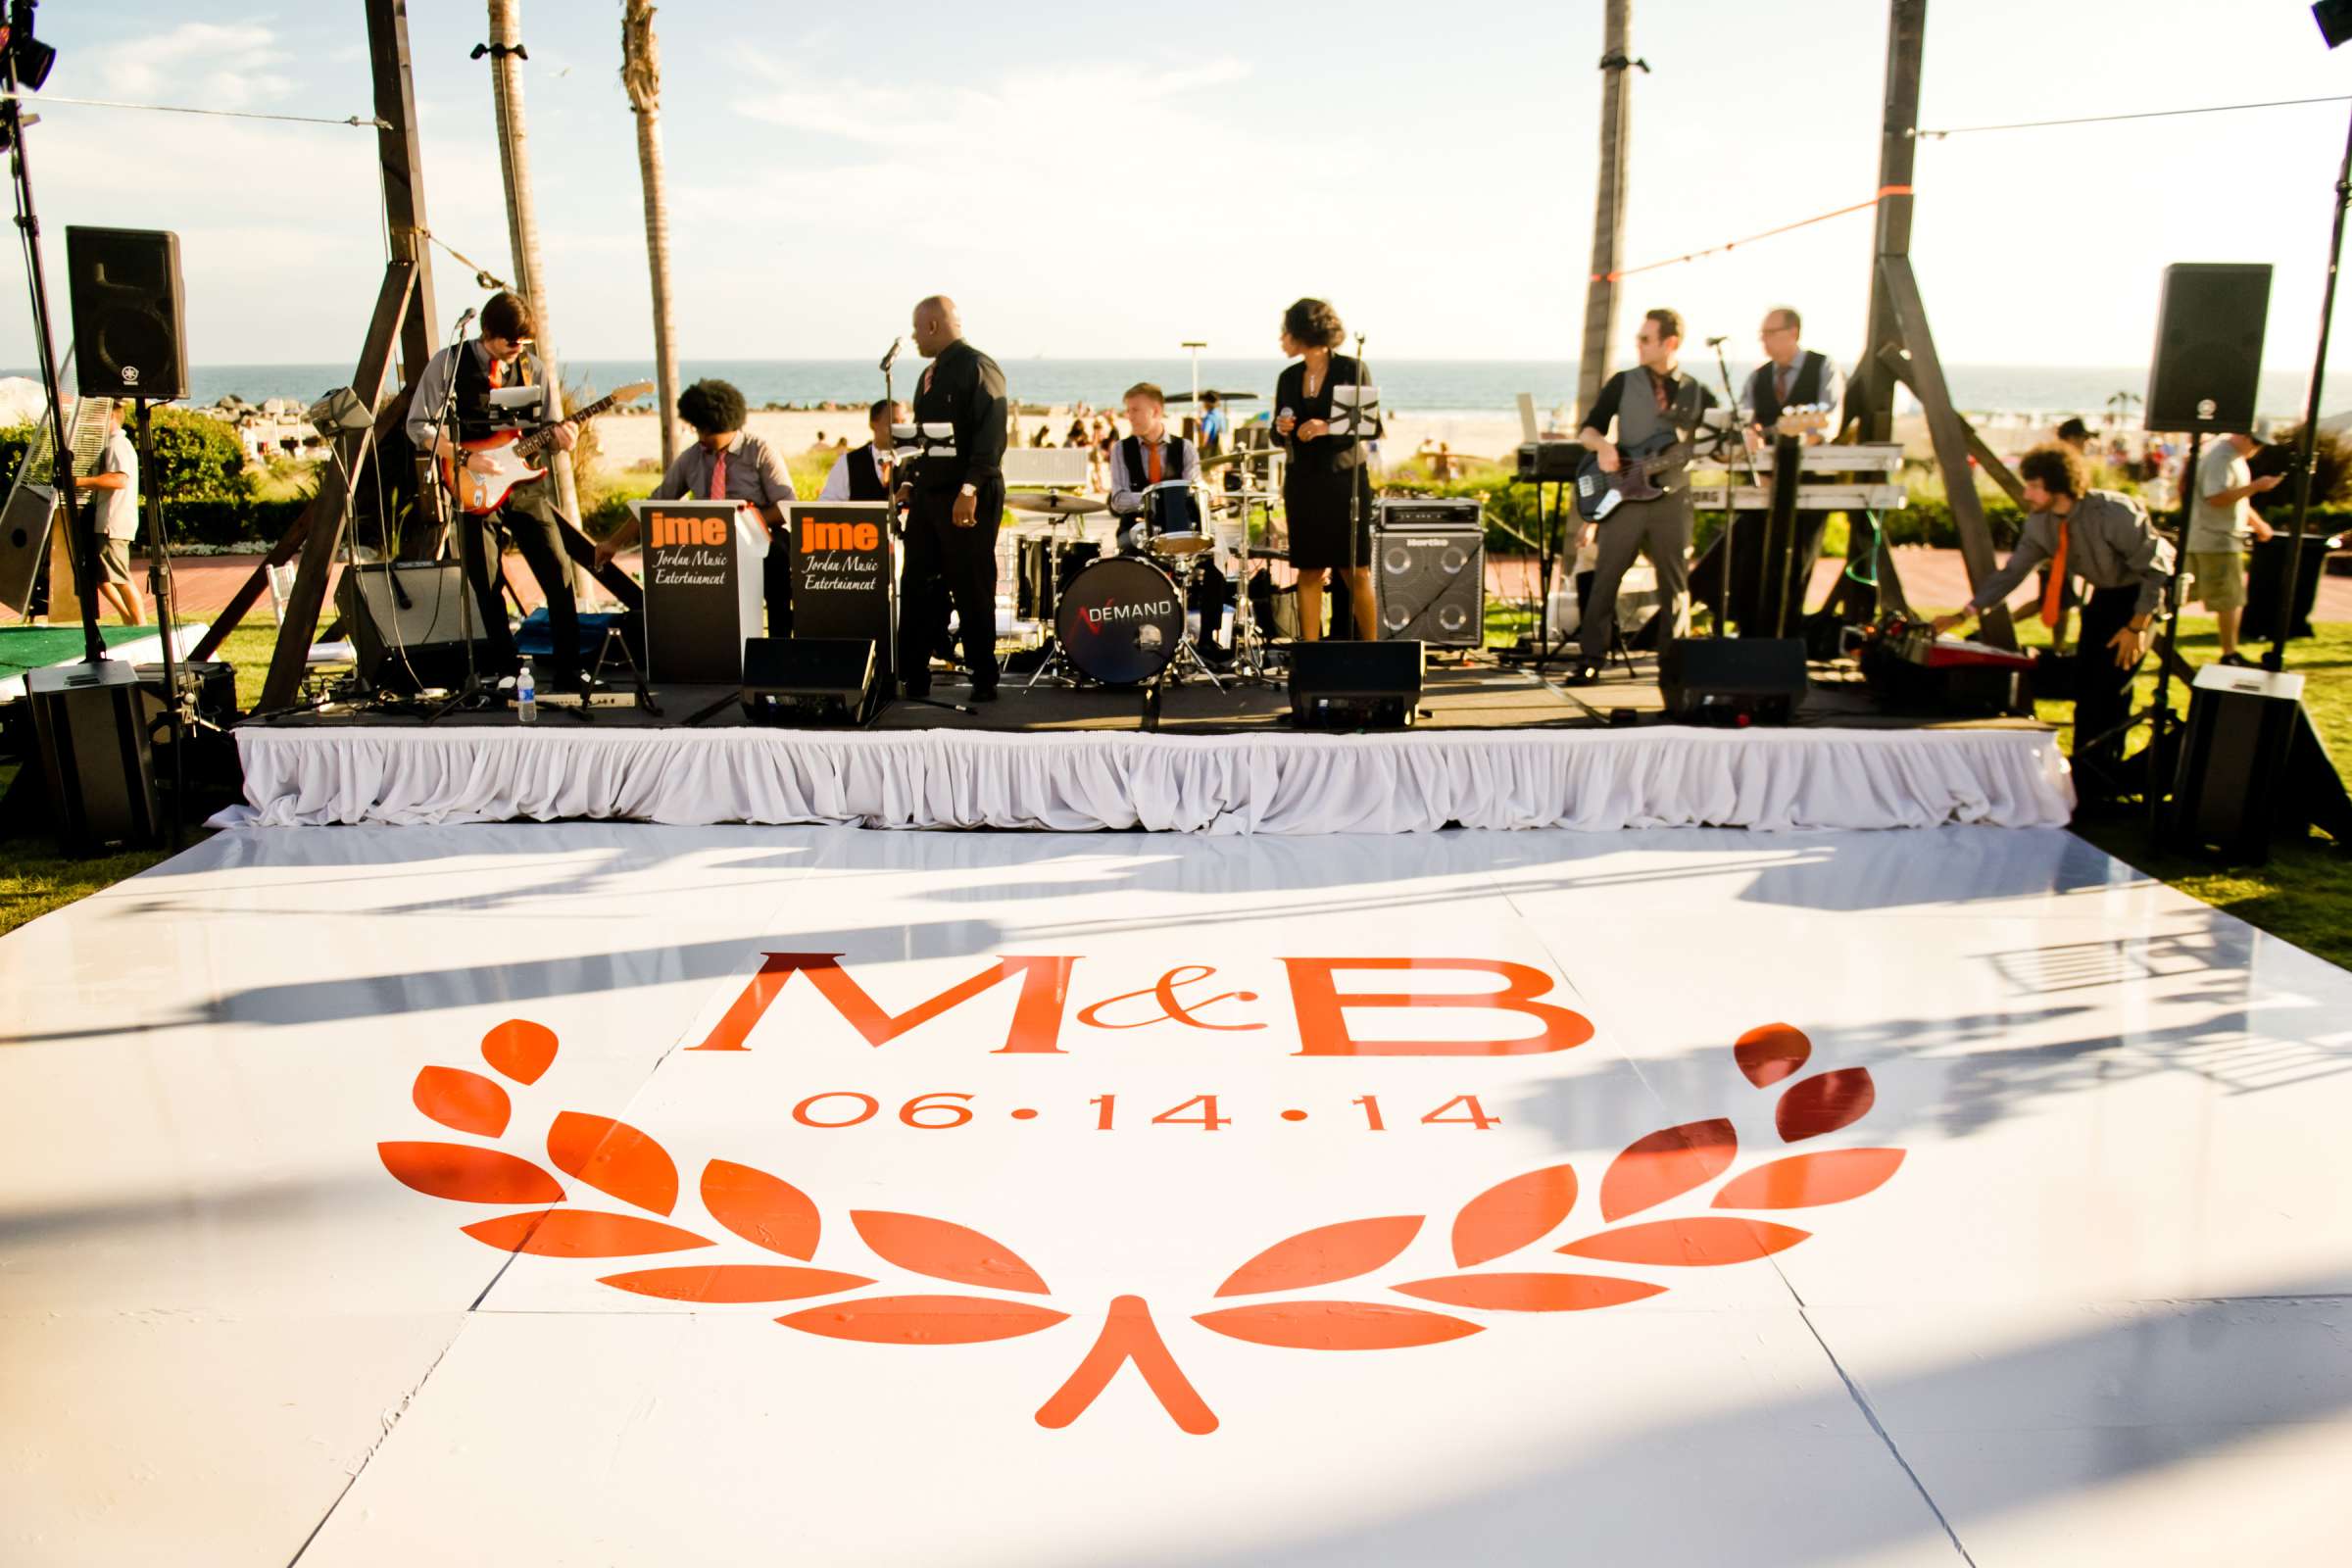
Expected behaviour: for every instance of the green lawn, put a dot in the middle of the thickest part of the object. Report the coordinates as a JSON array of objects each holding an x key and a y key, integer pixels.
[{"x": 2304, "y": 895}]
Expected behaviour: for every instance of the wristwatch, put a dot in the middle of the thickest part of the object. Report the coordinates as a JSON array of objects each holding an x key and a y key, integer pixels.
[{"x": 970, "y": 490}]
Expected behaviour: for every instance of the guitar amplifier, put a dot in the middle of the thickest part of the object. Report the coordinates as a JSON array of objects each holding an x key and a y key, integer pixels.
[
  {"x": 1547, "y": 460},
  {"x": 1431, "y": 581}
]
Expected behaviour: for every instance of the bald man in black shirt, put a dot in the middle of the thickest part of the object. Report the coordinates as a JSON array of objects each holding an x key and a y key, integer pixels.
[{"x": 954, "y": 498}]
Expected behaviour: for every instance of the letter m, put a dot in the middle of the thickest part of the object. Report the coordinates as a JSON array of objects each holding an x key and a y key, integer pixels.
[{"x": 1036, "y": 1014}]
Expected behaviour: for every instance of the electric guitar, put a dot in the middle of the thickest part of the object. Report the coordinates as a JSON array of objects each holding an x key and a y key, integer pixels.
[
  {"x": 1598, "y": 494},
  {"x": 512, "y": 456}
]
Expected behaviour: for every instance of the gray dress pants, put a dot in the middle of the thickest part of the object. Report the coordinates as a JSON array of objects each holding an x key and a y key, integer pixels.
[{"x": 1658, "y": 529}]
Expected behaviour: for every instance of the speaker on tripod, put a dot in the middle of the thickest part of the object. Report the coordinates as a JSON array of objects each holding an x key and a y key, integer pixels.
[
  {"x": 2208, "y": 359},
  {"x": 129, "y": 317}
]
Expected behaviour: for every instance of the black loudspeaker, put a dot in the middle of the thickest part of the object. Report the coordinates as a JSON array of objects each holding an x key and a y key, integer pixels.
[
  {"x": 1352, "y": 685},
  {"x": 1428, "y": 581},
  {"x": 2252, "y": 768},
  {"x": 24, "y": 543},
  {"x": 129, "y": 319},
  {"x": 2335, "y": 17},
  {"x": 1735, "y": 680},
  {"x": 2208, "y": 360},
  {"x": 406, "y": 620},
  {"x": 94, "y": 754},
  {"x": 808, "y": 680}
]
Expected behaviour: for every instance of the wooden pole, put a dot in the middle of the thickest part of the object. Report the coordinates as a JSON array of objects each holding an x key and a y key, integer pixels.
[
  {"x": 641, "y": 77},
  {"x": 1609, "y": 203},
  {"x": 1870, "y": 396},
  {"x": 522, "y": 218},
  {"x": 401, "y": 162}
]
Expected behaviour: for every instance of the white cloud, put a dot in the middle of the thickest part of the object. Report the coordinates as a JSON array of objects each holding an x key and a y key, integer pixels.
[{"x": 220, "y": 66}]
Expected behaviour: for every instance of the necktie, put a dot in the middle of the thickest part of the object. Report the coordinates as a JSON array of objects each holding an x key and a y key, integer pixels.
[
  {"x": 882, "y": 465},
  {"x": 1156, "y": 463},
  {"x": 929, "y": 371},
  {"x": 2052, "y": 594},
  {"x": 1779, "y": 386},
  {"x": 718, "y": 475},
  {"x": 498, "y": 370}
]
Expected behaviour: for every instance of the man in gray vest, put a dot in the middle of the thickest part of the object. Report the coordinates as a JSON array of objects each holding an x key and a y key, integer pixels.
[
  {"x": 1653, "y": 397},
  {"x": 1765, "y": 603}
]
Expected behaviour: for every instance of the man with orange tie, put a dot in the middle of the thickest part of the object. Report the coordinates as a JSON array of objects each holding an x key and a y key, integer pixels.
[
  {"x": 2105, "y": 539},
  {"x": 727, "y": 462}
]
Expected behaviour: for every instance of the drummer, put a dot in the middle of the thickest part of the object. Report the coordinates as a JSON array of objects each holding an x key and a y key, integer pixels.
[{"x": 1154, "y": 455}]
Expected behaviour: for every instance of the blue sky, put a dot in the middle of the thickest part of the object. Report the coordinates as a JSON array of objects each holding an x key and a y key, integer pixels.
[{"x": 1105, "y": 181}]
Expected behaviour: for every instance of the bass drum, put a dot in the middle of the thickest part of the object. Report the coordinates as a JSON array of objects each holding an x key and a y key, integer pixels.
[{"x": 1120, "y": 621}]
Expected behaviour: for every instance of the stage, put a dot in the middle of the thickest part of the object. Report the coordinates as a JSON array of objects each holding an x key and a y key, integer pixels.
[
  {"x": 604, "y": 1193},
  {"x": 1496, "y": 749}
]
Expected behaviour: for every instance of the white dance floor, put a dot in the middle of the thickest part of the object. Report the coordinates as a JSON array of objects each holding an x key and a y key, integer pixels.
[{"x": 601, "y": 1193}]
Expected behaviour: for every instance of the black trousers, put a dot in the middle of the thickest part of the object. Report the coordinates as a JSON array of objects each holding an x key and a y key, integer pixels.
[
  {"x": 2102, "y": 692},
  {"x": 949, "y": 565},
  {"x": 529, "y": 518}
]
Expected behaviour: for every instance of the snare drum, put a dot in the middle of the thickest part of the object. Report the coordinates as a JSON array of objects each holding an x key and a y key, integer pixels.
[
  {"x": 1119, "y": 621},
  {"x": 1175, "y": 522}
]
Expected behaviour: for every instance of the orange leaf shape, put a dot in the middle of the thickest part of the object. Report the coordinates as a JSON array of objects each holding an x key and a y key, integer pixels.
[
  {"x": 1824, "y": 1104},
  {"x": 1511, "y": 1214},
  {"x": 581, "y": 1233},
  {"x": 735, "y": 1282},
  {"x": 614, "y": 1158},
  {"x": 521, "y": 1048},
  {"x": 1666, "y": 1164},
  {"x": 1335, "y": 1325},
  {"x": 1771, "y": 1052},
  {"x": 464, "y": 1102},
  {"x": 1326, "y": 1253},
  {"x": 765, "y": 1210},
  {"x": 1802, "y": 1181},
  {"x": 469, "y": 1174},
  {"x": 945, "y": 1251},
  {"x": 1699, "y": 1243},
  {"x": 1531, "y": 1292},
  {"x": 924, "y": 1320}
]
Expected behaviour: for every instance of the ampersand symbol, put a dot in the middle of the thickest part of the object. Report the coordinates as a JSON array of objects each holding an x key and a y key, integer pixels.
[{"x": 1171, "y": 1005}]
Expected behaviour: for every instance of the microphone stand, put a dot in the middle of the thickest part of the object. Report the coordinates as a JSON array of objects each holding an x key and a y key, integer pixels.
[
  {"x": 1358, "y": 482},
  {"x": 471, "y": 694},
  {"x": 1731, "y": 511}
]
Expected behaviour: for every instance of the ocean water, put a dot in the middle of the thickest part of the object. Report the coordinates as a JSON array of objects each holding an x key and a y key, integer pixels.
[{"x": 1416, "y": 386}]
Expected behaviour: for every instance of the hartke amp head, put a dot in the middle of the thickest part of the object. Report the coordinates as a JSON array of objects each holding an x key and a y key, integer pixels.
[
  {"x": 1550, "y": 460},
  {"x": 1430, "y": 577},
  {"x": 129, "y": 318},
  {"x": 808, "y": 680},
  {"x": 1352, "y": 685},
  {"x": 1736, "y": 680},
  {"x": 405, "y": 622}
]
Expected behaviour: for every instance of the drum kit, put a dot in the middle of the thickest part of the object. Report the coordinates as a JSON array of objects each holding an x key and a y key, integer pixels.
[{"x": 1119, "y": 621}]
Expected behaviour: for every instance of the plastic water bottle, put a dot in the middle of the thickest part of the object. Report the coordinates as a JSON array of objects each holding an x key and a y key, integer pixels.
[
  {"x": 1560, "y": 616},
  {"x": 526, "y": 695}
]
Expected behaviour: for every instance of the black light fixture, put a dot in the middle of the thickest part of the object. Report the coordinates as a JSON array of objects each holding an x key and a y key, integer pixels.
[
  {"x": 27, "y": 58},
  {"x": 2335, "y": 17}
]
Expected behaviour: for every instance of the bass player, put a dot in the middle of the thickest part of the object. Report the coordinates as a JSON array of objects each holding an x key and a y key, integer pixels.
[
  {"x": 1650, "y": 397},
  {"x": 451, "y": 404}
]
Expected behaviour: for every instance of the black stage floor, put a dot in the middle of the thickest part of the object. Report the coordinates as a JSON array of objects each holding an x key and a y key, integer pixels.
[{"x": 1479, "y": 696}]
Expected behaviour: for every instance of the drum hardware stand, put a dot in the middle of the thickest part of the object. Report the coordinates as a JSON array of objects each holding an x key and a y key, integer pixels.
[
  {"x": 471, "y": 692},
  {"x": 1731, "y": 513}
]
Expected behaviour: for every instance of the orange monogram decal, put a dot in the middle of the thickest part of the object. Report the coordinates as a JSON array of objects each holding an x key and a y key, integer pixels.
[{"x": 1669, "y": 1167}]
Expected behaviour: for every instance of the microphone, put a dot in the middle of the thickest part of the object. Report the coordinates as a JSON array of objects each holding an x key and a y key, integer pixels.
[
  {"x": 466, "y": 319},
  {"x": 890, "y": 357},
  {"x": 1717, "y": 342}
]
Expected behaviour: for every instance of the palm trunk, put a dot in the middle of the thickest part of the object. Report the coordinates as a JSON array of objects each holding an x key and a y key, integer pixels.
[
  {"x": 1608, "y": 205},
  {"x": 522, "y": 218},
  {"x": 641, "y": 77}
]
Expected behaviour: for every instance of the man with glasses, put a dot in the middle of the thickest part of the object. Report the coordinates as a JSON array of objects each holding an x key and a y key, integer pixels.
[
  {"x": 1767, "y": 604},
  {"x": 452, "y": 406}
]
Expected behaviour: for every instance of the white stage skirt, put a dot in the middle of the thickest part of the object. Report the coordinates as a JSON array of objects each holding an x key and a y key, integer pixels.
[{"x": 1594, "y": 780}]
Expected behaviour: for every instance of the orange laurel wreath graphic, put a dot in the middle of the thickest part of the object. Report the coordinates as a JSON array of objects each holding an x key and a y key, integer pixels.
[{"x": 771, "y": 1214}]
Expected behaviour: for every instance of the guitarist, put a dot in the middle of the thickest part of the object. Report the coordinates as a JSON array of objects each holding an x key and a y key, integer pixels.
[
  {"x": 452, "y": 404},
  {"x": 1652, "y": 399}
]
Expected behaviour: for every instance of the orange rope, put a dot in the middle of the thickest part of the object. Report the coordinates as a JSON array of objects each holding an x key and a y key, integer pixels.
[{"x": 1732, "y": 245}]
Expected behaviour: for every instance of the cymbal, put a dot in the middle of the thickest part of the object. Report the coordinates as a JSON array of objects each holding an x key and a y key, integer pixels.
[
  {"x": 1057, "y": 504},
  {"x": 1236, "y": 455}
]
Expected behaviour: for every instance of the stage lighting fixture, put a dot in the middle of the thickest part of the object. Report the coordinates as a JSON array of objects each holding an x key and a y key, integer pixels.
[
  {"x": 2335, "y": 17},
  {"x": 25, "y": 58}
]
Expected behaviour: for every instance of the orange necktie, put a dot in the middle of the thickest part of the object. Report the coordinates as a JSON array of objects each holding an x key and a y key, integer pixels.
[
  {"x": 1156, "y": 464},
  {"x": 2051, "y": 608},
  {"x": 498, "y": 370}
]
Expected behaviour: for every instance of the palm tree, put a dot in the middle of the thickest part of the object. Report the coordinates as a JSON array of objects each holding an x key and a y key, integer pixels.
[
  {"x": 1608, "y": 203},
  {"x": 641, "y": 78},
  {"x": 522, "y": 218}
]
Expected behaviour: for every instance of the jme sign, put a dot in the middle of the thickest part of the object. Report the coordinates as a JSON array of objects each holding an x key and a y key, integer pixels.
[
  {"x": 702, "y": 588},
  {"x": 843, "y": 584}
]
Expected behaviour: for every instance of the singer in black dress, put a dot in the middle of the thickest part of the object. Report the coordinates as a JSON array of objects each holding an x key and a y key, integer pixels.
[{"x": 1327, "y": 475}]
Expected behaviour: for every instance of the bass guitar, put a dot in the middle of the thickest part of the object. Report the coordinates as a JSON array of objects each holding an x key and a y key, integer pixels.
[
  {"x": 1599, "y": 494},
  {"x": 513, "y": 458}
]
